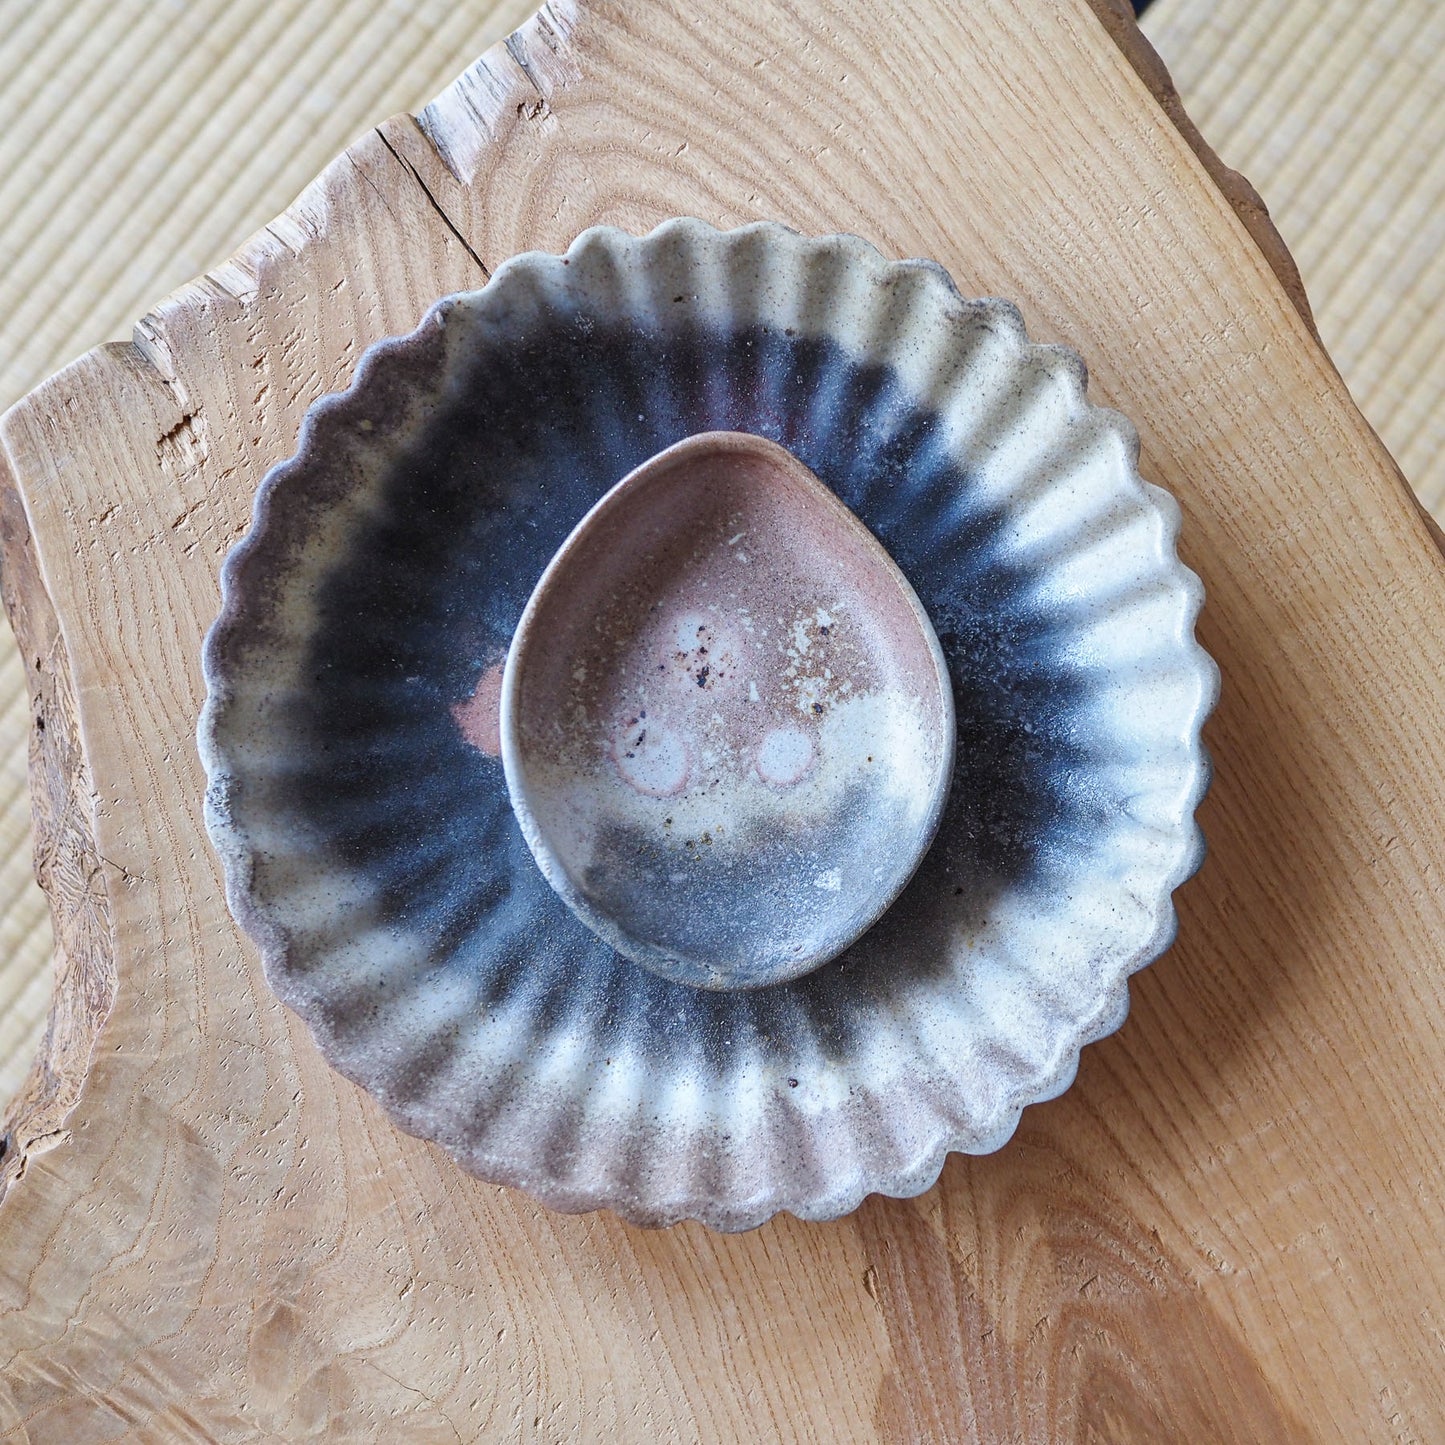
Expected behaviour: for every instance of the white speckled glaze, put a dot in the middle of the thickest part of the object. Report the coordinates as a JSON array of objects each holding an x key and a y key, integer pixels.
[{"x": 367, "y": 839}]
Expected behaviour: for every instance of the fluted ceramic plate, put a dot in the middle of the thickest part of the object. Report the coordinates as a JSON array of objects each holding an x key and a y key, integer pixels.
[{"x": 362, "y": 815}]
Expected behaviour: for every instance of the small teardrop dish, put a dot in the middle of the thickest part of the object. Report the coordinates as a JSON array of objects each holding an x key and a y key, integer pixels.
[{"x": 726, "y": 721}]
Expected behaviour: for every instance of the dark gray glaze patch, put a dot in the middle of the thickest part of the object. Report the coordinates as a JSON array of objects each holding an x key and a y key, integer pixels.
[{"x": 536, "y": 430}]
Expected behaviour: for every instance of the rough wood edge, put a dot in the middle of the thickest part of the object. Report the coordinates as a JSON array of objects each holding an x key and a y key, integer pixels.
[
  {"x": 67, "y": 860},
  {"x": 67, "y": 864},
  {"x": 1117, "y": 18}
]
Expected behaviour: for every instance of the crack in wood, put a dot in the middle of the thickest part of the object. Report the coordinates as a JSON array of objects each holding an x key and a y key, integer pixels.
[{"x": 435, "y": 204}]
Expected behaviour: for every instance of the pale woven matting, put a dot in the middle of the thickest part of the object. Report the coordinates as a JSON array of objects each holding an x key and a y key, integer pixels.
[{"x": 144, "y": 140}]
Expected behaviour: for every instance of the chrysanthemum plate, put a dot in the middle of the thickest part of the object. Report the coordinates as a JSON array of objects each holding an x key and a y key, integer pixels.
[{"x": 362, "y": 815}]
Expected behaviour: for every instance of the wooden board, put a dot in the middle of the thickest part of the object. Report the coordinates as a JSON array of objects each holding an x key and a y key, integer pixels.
[{"x": 1228, "y": 1229}]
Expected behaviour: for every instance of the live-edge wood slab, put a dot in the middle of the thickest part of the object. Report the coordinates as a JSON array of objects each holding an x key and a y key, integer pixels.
[{"x": 1229, "y": 1229}]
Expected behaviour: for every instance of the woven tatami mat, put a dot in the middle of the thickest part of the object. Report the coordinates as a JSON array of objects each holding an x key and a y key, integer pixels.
[{"x": 145, "y": 138}]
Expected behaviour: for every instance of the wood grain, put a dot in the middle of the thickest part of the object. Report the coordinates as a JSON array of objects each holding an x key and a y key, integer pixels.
[
  {"x": 67, "y": 865},
  {"x": 1229, "y": 1229}
]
